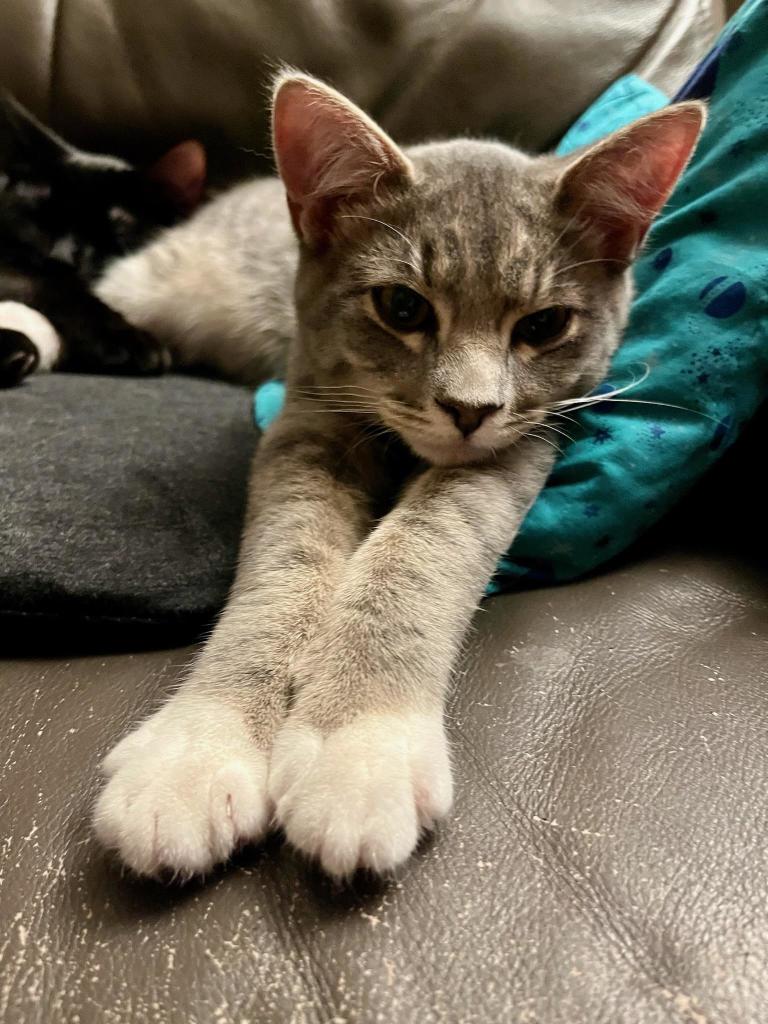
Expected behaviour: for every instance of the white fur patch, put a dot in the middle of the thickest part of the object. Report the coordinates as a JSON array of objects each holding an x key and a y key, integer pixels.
[
  {"x": 360, "y": 796},
  {"x": 185, "y": 788},
  {"x": 16, "y": 316}
]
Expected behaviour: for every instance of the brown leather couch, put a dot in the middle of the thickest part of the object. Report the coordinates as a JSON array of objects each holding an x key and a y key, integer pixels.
[{"x": 606, "y": 861}]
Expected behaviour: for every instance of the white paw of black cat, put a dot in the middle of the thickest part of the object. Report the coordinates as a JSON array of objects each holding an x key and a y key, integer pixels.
[
  {"x": 185, "y": 790},
  {"x": 360, "y": 796},
  {"x": 28, "y": 342},
  {"x": 18, "y": 357}
]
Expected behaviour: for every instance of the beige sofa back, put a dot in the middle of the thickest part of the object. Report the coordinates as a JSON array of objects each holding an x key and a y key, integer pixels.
[{"x": 135, "y": 74}]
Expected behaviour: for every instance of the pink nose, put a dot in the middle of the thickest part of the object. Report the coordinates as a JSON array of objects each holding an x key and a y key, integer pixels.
[{"x": 467, "y": 417}]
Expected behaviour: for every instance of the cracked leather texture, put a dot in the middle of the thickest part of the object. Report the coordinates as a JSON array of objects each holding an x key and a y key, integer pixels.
[{"x": 605, "y": 861}]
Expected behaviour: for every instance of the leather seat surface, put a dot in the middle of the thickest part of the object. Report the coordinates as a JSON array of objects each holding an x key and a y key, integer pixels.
[{"x": 605, "y": 861}]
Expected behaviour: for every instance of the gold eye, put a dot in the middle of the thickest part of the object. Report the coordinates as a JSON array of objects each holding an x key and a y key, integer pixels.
[
  {"x": 542, "y": 326},
  {"x": 403, "y": 309}
]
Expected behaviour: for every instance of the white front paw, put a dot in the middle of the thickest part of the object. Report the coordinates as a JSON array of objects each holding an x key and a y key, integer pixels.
[
  {"x": 359, "y": 796},
  {"x": 185, "y": 789}
]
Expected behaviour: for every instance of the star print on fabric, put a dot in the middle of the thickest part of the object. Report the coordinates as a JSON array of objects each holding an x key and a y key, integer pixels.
[{"x": 601, "y": 435}]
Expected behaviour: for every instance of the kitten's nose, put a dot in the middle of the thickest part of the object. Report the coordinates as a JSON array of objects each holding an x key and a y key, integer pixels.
[{"x": 467, "y": 417}]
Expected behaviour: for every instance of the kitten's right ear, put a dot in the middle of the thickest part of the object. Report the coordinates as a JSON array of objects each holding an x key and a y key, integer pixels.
[{"x": 328, "y": 151}]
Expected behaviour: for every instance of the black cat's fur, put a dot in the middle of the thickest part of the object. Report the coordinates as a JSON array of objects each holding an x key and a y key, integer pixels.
[{"x": 64, "y": 214}]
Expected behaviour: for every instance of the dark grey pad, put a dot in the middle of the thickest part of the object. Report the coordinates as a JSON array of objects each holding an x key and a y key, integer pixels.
[{"x": 121, "y": 502}]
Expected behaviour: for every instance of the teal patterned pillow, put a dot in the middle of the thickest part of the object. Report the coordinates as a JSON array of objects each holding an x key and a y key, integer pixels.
[{"x": 697, "y": 328}]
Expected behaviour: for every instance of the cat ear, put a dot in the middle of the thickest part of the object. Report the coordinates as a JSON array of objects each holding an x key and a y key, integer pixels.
[
  {"x": 328, "y": 151},
  {"x": 24, "y": 138},
  {"x": 620, "y": 184},
  {"x": 181, "y": 174}
]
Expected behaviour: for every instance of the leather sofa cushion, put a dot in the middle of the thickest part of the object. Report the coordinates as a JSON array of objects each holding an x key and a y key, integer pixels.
[
  {"x": 138, "y": 74},
  {"x": 605, "y": 861}
]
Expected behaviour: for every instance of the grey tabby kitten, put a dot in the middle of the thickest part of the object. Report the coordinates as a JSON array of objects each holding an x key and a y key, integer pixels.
[{"x": 445, "y": 296}]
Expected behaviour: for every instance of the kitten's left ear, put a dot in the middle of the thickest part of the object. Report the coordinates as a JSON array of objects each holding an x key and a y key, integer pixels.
[
  {"x": 620, "y": 184},
  {"x": 328, "y": 151},
  {"x": 181, "y": 174}
]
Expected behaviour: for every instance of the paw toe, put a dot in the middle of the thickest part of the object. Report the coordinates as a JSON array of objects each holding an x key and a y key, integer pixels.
[
  {"x": 359, "y": 797},
  {"x": 183, "y": 793}
]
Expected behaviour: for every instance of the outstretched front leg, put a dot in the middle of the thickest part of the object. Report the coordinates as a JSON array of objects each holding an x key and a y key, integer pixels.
[
  {"x": 190, "y": 784},
  {"x": 361, "y": 765},
  {"x": 50, "y": 320}
]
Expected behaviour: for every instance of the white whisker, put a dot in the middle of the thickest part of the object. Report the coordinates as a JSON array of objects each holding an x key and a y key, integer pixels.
[
  {"x": 336, "y": 387},
  {"x": 592, "y": 398},
  {"x": 665, "y": 405},
  {"x": 370, "y": 433},
  {"x": 407, "y": 263},
  {"x": 547, "y": 426},
  {"x": 348, "y": 409},
  {"x": 350, "y": 397},
  {"x": 552, "y": 444},
  {"x": 563, "y": 416},
  {"x": 375, "y": 220},
  {"x": 565, "y": 230},
  {"x": 583, "y": 263}
]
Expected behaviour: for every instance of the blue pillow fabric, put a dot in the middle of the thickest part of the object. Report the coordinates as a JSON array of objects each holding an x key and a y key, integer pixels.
[{"x": 697, "y": 328}]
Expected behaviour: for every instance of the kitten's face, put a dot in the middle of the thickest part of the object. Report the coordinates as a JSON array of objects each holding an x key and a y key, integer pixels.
[
  {"x": 453, "y": 292},
  {"x": 466, "y": 307}
]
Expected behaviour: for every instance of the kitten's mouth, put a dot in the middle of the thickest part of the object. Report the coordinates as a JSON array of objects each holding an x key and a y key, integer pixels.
[{"x": 449, "y": 453}]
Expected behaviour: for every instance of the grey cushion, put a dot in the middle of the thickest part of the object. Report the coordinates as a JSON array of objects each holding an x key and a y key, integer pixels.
[{"x": 121, "y": 502}]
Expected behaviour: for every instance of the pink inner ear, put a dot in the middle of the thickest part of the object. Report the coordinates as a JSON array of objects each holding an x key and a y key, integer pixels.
[
  {"x": 299, "y": 142},
  {"x": 624, "y": 182},
  {"x": 181, "y": 172},
  {"x": 326, "y": 150}
]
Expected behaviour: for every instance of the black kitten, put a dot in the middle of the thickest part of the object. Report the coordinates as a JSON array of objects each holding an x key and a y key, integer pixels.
[{"x": 64, "y": 214}]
